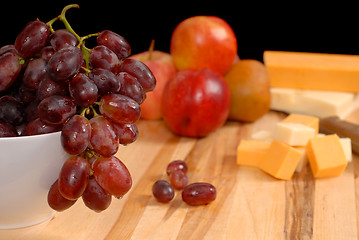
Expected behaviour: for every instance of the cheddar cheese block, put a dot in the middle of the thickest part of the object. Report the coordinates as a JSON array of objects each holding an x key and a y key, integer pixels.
[
  {"x": 311, "y": 102},
  {"x": 307, "y": 120},
  {"x": 317, "y": 71},
  {"x": 326, "y": 156},
  {"x": 251, "y": 152},
  {"x": 281, "y": 160}
]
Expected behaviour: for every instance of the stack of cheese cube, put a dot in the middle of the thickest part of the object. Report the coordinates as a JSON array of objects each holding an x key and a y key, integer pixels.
[{"x": 294, "y": 142}]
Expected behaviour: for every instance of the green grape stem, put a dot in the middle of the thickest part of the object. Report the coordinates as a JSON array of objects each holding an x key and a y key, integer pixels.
[{"x": 62, "y": 17}]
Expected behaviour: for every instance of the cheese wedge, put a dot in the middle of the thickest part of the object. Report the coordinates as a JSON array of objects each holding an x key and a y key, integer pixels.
[
  {"x": 326, "y": 156},
  {"x": 310, "y": 102},
  {"x": 307, "y": 120},
  {"x": 317, "y": 71},
  {"x": 251, "y": 152},
  {"x": 281, "y": 160}
]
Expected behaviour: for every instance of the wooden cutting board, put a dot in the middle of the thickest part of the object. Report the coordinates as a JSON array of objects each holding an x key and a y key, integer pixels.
[{"x": 250, "y": 204}]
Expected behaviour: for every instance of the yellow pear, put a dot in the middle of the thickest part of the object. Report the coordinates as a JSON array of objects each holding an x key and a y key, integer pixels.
[{"x": 249, "y": 83}]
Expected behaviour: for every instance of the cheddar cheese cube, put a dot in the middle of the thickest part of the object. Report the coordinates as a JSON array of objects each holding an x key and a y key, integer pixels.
[
  {"x": 326, "y": 156},
  {"x": 281, "y": 160},
  {"x": 307, "y": 120},
  {"x": 294, "y": 134},
  {"x": 251, "y": 152}
]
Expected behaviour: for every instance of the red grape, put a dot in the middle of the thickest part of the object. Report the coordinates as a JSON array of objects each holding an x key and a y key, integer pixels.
[
  {"x": 8, "y": 48},
  {"x": 32, "y": 38},
  {"x": 48, "y": 87},
  {"x": 176, "y": 166},
  {"x": 47, "y": 52},
  {"x": 11, "y": 110},
  {"x": 62, "y": 39},
  {"x": 105, "y": 80},
  {"x": 95, "y": 197},
  {"x": 115, "y": 42},
  {"x": 102, "y": 57},
  {"x": 119, "y": 108},
  {"x": 36, "y": 127},
  {"x": 103, "y": 137},
  {"x": 75, "y": 135},
  {"x": 112, "y": 175},
  {"x": 34, "y": 73},
  {"x": 163, "y": 191},
  {"x": 178, "y": 180},
  {"x": 127, "y": 133},
  {"x": 26, "y": 94},
  {"x": 139, "y": 70},
  {"x": 10, "y": 68},
  {"x": 56, "y": 200},
  {"x": 199, "y": 194},
  {"x": 83, "y": 90},
  {"x": 65, "y": 63},
  {"x": 56, "y": 109},
  {"x": 31, "y": 111},
  {"x": 73, "y": 178},
  {"x": 7, "y": 130},
  {"x": 131, "y": 88}
]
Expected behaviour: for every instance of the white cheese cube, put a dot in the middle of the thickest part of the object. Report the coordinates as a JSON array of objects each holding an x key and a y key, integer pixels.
[
  {"x": 303, "y": 160},
  {"x": 293, "y": 134},
  {"x": 347, "y": 147}
]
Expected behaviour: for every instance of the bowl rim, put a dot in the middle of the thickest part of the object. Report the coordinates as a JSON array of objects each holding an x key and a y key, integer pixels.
[{"x": 2, "y": 139}]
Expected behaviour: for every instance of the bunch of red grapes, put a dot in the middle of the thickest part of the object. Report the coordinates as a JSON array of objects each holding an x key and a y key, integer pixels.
[{"x": 50, "y": 81}]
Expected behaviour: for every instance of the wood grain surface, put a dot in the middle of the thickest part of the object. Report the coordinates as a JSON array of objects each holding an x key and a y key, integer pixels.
[{"x": 250, "y": 204}]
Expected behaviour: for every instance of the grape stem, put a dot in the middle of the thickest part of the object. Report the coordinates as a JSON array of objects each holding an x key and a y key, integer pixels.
[
  {"x": 62, "y": 17},
  {"x": 84, "y": 111},
  {"x": 95, "y": 114}
]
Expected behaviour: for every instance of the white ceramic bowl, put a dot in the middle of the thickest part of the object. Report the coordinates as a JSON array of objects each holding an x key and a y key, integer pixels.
[{"x": 28, "y": 167}]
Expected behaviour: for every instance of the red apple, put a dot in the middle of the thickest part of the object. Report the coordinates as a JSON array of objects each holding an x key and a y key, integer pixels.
[
  {"x": 203, "y": 42},
  {"x": 195, "y": 102},
  {"x": 162, "y": 67}
]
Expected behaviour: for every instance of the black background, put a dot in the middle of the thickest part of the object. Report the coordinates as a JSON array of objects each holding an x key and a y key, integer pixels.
[{"x": 331, "y": 28}]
